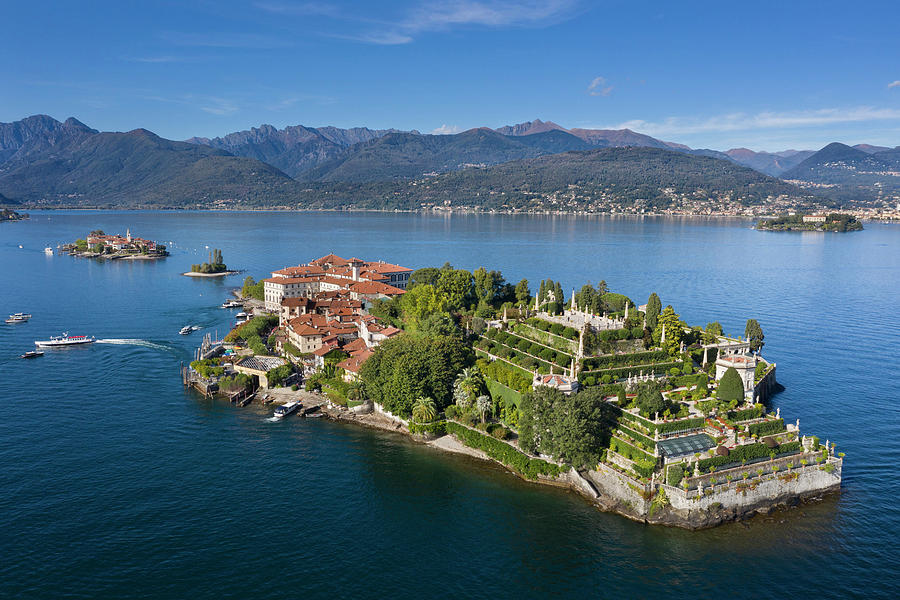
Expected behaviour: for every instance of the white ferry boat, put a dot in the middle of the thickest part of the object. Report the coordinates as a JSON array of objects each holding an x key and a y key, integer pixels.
[
  {"x": 286, "y": 409},
  {"x": 65, "y": 340}
]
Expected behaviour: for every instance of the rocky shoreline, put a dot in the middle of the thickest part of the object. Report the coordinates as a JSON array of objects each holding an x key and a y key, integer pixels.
[{"x": 605, "y": 489}]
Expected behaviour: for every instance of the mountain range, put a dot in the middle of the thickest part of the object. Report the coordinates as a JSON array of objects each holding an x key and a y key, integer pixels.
[{"x": 43, "y": 160}]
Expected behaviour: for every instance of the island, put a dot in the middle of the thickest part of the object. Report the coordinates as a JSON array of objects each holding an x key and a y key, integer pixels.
[
  {"x": 836, "y": 222},
  {"x": 98, "y": 244},
  {"x": 8, "y": 214},
  {"x": 214, "y": 268},
  {"x": 643, "y": 414}
]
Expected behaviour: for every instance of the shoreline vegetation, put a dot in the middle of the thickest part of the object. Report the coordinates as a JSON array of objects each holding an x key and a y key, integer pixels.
[
  {"x": 833, "y": 222},
  {"x": 8, "y": 214},
  {"x": 645, "y": 415}
]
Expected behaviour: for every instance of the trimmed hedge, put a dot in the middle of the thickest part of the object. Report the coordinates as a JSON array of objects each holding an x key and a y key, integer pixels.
[
  {"x": 502, "y": 452},
  {"x": 747, "y": 453},
  {"x": 671, "y": 426},
  {"x": 753, "y": 412},
  {"x": 598, "y": 363},
  {"x": 637, "y": 437},
  {"x": 767, "y": 427},
  {"x": 625, "y": 372},
  {"x": 435, "y": 428},
  {"x": 632, "y": 453}
]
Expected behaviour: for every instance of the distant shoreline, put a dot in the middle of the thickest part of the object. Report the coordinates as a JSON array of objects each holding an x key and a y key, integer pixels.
[{"x": 220, "y": 274}]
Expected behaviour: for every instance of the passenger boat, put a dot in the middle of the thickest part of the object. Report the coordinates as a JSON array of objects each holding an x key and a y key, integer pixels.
[
  {"x": 13, "y": 319},
  {"x": 65, "y": 340},
  {"x": 32, "y": 354},
  {"x": 232, "y": 304},
  {"x": 185, "y": 330},
  {"x": 21, "y": 316},
  {"x": 286, "y": 409}
]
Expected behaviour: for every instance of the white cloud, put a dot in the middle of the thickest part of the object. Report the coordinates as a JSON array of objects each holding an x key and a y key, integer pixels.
[
  {"x": 381, "y": 38},
  {"x": 894, "y": 84},
  {"x": 599, "y": 87},
  {"x": 439, "y": 15},
  {"x": 219, "y": 106},
  {"x": 436, "y": 16},
  {"x": 446, "y": 130},
  {"x": 225, "y": 40},
  {"x": 763, "y": 120}
]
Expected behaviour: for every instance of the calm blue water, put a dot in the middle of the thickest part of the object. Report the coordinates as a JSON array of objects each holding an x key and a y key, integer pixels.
[{"x": 115, "y": 483}]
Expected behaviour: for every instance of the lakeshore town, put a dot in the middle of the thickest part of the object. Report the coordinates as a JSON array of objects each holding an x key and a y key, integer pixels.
[{"x": 625, "y": 404}]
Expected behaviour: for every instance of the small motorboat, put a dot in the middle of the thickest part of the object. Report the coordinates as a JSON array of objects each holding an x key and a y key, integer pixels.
[
  {"x": 185, "y": 330},
  {"x": 48, "y": 250},
  {"x": 286, "y": 409},
  {"x": 18, "y": 318},
  {"x": 33, "y": 354}
]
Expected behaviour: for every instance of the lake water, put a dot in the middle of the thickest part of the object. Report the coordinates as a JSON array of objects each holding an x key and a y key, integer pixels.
[{"x": 116, "y": 483}]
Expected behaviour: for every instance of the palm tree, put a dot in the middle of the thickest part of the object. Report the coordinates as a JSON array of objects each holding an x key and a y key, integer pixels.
[
  {"x": 483, "y": 404},
  {"x": 424, "y": 410},
  {"x": 356, "y": 393},
  {"x": 469, "y": 382}
]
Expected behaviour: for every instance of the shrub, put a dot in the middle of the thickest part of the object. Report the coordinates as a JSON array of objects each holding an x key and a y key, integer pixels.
[
  {"x": 767, "y": 427},
  {"x": 451, "y": 411},
  {"x": 435, "y": 428},
  {"x": 502, "y": 452},
  {"x": 674, "y": 475}
]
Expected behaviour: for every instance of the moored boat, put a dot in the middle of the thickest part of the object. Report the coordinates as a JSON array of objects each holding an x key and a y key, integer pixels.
[
  {"x": 65, "y": 339},
  {"x": 286, "y": 409}
]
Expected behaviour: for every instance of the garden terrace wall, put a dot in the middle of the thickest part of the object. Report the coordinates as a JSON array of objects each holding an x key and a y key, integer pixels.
[
  {"x": 566, "y": 345},
  {"x": 807, "y": 481},
  {"x": 566, "y": 358},
  {"x": 598, "y": 363},
  {"x": 626, "y": 372},
  {"x": 543, "y": 366},
  {"x": 749, "y": 454}
]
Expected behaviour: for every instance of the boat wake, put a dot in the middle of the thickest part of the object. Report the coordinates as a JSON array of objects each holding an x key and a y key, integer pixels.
[{"x": 133, "y": 342}]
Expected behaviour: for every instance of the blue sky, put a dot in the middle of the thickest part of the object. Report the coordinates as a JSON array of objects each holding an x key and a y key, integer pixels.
[{"x": 765, "y": 75}]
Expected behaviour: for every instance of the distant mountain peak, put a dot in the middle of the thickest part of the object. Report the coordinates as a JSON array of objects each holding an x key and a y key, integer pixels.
[{"x": 529, "y": 128}]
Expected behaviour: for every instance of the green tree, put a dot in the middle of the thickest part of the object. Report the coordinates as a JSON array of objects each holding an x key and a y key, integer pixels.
[
  {"x": 456, "y": 287},
  {"x": 654, "y": 306},
  {"x": 731, "y": 387},
  {"x": 674, "y": 328},
  {"x": 422, "y": 301},
  {"x": 754, "y": 334},
  {"x": 408, "y": 366},
  {"x": 424, "y": 410},
  {"x": 488, "y": 285},
  {"x": 523, "y": 294},
  {"x": 426, "y": 276},
  {"x": 649, "y": 399},
  {"x": 711, "y": 331}
]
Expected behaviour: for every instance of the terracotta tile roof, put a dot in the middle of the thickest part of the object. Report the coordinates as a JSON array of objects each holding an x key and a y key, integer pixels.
[
  {"x": 355, "y": 346},
  {"x": 373, "y": 287},
  {"x": 383, "y": 267},
  {"x": 330, "y": 259},
  {"x": 356, "y": 361}
]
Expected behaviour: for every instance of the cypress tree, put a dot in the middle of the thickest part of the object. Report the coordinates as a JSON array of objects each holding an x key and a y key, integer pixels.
[{"x": 731, "y": 387}]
